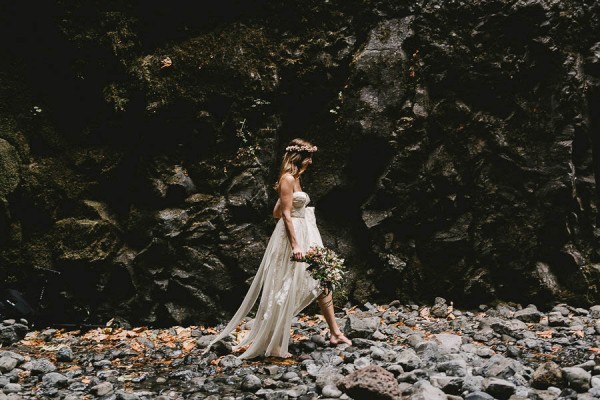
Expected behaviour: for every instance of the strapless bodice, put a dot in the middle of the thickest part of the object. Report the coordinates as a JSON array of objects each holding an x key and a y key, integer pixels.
[{"x": 299, "y": 202}]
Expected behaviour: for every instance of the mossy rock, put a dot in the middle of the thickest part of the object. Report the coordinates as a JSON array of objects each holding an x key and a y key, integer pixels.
[
  {"x": 10, "y": 168},
  {"x": 85, "y": 240}
]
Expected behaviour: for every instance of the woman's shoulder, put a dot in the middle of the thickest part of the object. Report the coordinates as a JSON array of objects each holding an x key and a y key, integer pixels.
[{"x": 287, "y": 177}]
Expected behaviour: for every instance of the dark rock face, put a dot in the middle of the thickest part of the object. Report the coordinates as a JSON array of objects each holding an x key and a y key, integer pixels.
[{"x": 458, "y": 156}]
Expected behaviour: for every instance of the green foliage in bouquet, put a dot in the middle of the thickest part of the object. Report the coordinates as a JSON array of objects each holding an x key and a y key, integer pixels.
[{"x": 325, "y": 266}]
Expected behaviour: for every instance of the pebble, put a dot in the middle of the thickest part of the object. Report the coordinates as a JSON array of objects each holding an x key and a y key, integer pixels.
[
  {"x": 64, "y": 354},
  {"x": 251, "y": 383},
  {"x": 577, "y": 378},
  {"x": 11, "y": 388},
  {"x": 7, "y": 364},
  {"x": 102, "y": 389},
  {"x": 55, "y": 379}
]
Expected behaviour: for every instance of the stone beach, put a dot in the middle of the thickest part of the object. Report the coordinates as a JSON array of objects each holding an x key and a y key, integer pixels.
[{"x": 399, "y": 351}]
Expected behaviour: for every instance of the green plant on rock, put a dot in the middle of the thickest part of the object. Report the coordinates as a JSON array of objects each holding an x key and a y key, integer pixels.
[{"x": 249, "y": 142}]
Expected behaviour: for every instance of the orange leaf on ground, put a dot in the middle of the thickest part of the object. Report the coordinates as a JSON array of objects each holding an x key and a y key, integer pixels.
[
  {"x": 136, "y": 346},
  {"x": 282, "y": 361},
  {"x": 33, "y": 343},
  {"x": 545, "y": 334},
  {"x": 241, "y": 335},
  {"x": 188, "y": 345},
  {"x": 166, "y": 337},
  {"x": 183, "y": 332}
]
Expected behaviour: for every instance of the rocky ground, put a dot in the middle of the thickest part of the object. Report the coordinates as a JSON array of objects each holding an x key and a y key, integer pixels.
[{"x": 398, "y": 352}]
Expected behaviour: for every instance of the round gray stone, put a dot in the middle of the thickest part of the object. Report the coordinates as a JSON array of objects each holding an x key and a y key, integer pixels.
[
  {"x": 577, "y": 378},
  {"x": 251, "y": 383},
  {"x": 11, "y": 388},
  {"x": 64, "y": 354},
  {"x": 42, "y": 366},
  {"x": 55, "y": 379},
  {"x": 7, "y": 364},
  {"x": 230, "y": 361}
]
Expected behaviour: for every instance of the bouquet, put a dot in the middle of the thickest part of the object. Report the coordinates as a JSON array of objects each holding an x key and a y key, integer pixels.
[{"x": 325, "y": 266}]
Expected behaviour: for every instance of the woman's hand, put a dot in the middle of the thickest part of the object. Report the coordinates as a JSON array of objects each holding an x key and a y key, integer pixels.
[{"x": 297, "y": 253}]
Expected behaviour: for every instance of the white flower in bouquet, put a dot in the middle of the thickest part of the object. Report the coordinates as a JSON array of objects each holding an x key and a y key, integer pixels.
[{"x": 325, "y": 266}]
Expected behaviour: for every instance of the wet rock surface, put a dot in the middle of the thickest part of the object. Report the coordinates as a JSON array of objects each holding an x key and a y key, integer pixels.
[{"x": 455, "y": 357}]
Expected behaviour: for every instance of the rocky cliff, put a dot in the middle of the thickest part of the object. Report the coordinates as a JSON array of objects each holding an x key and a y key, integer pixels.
[{"x": 139, "y": 142}]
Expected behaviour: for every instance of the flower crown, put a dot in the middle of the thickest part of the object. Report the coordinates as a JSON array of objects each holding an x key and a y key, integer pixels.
[{"x": 310, "y": 149}]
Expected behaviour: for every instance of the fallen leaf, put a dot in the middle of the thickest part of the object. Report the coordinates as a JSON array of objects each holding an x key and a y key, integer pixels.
[
  {"x": 545, "y": 334},
  {"x": 137, "y": 346},
  {"x": 183, "y": 332},
  {"x": 188, "y": 345},
  {"x": 351, "y": 310},
  {"x": 282, "y": 361}
]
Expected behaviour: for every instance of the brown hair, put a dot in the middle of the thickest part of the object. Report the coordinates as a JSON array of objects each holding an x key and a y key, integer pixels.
[{"x": 292, "y": 160}]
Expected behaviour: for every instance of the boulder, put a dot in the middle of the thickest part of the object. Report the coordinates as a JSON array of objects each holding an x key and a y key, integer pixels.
[
  {"x": 357, "y": 327},
  {"x": 370, "y": 383}
]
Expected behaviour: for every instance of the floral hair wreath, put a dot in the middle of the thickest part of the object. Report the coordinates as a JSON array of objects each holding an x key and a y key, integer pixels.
[{"x": 310, "y": 149}]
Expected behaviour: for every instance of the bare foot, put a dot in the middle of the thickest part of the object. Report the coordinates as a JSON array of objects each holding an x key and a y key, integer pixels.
[
  {"x": 286, "y": 355},
  {"x": 339, "y": 338}
]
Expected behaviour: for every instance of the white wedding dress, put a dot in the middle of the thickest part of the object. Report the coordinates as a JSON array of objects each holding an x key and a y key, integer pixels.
[{"x": 287, "y": 288}]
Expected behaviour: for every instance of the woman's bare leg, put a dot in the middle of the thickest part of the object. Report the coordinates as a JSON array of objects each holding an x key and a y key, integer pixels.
[{"x": 326, "y": 305}]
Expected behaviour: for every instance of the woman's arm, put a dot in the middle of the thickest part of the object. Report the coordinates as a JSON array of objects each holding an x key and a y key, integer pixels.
[
  {"x": 277, "y": 209},
  {"x": 286, "y": 194}
]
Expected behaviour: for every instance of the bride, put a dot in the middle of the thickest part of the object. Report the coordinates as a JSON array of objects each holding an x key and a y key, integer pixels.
[{"x": 287, "y": 288}]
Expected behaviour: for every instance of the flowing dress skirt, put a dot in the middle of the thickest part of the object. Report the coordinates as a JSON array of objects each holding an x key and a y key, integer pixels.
[{"x": 287, "y": 288}]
